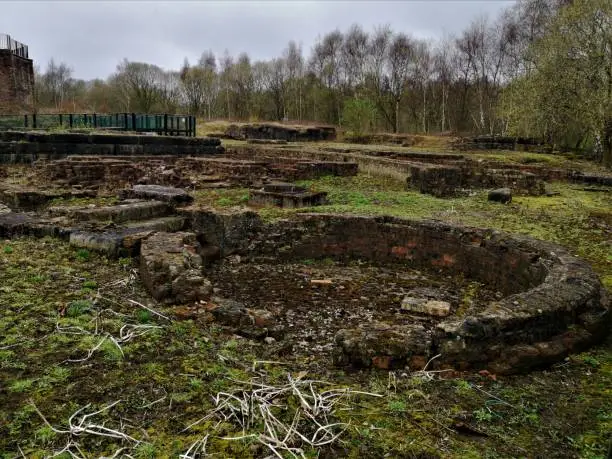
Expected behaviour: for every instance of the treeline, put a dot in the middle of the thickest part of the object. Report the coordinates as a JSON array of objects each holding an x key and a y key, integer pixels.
[{"x": 543, "y": 68}]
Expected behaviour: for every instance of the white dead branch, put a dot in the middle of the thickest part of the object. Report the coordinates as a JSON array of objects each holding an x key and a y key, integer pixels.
[
  {"x": 264, "y": 413},
  {"x": 81, "y": 423}
]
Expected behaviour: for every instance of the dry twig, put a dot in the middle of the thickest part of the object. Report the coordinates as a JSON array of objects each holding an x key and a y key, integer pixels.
[{"x": 265, "y": 408}]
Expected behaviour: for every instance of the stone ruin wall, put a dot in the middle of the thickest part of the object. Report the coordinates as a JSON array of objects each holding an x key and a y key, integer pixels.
[{"x": 554, "y": 304}]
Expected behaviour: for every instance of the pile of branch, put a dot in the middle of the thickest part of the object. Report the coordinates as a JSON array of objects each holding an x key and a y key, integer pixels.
[{"x": 285, "y": 419}]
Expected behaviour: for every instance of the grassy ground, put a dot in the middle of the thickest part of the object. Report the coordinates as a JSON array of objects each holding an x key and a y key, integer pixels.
[{"x": 57, "y": 304}]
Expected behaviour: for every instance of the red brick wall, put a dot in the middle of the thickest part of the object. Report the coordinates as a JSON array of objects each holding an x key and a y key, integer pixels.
[{"x": 16, "y": 83}]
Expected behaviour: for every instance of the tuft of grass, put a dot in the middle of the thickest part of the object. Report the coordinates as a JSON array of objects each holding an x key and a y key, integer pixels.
[
  {"x": 143, "y": 316},
  {"x": 78, "y": 308},
  {"x": 21, "y": 385},
  {"x": 45, "y": 435},
  {"x": 90, "y": 284}
]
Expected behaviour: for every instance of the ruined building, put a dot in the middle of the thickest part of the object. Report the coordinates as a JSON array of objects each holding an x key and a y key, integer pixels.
[{"x": 16, "y": 77}]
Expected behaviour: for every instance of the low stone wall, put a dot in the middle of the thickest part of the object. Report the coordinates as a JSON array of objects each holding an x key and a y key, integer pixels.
[
  {"x": 248, "y": 171},
  {"x": 271, "y": 131},
  {"x": 27, "y": 147},
  {"x": 554, "y": 303},
  {"x": 502, "y": 143},
  {"x": 285, "y": 195},
  {"x": 445, "y": 180}
]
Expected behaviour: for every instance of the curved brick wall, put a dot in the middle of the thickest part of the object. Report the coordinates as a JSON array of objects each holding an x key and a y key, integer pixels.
[{"x": 554, "y": 303}]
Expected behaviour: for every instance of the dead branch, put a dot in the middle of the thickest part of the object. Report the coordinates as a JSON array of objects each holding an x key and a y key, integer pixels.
[{"x": 313, "y": 422}]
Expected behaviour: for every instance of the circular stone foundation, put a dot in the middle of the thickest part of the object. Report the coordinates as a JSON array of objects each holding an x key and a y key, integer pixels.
[{"x": 474, "y": 298}]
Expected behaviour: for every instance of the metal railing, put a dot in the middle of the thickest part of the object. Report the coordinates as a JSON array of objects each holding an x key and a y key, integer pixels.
[
  {"x": 17, "y": 48},
  {"x": 162, "y": 124}
]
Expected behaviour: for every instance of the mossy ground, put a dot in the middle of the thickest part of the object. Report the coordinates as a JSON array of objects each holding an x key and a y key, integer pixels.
[{"x": 166, "y": 378}]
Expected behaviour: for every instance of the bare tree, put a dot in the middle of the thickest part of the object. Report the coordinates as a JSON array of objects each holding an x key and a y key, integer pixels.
[
  {"x": 423, "y": 73},
  {"x": 208, "y": 64},
  {"x": 295, "y": 74},
  {"x": 326, "y": 62},
  {"x": 443, "y": 72},
  {"x": 354, "y": 56},
  {"x": 142, "y": 80},
  {"x": 192, "y": 87},
  {"x": 376, "y": 79},
  {"x": 227, "y": 65},
  {"x": 243, "y": 85},
  {"x": 56, "y": 81},
  {"x": 401, "y": 56}
]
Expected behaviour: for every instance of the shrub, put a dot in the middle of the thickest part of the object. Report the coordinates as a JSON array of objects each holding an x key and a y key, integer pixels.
[{"x": 359, "y": 116}]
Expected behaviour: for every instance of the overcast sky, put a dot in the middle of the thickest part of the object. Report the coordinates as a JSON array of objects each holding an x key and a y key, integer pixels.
[{"x": 92, "y": 37}]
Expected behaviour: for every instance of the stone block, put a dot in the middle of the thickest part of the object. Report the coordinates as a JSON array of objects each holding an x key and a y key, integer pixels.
[
  {"x": 157, "y": 192},
  {"x": 425, "y": 306},
  {"x": 383, "y": 345}
]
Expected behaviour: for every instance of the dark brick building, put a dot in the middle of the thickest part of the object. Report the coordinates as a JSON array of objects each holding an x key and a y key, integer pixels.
[{"x": 16, "y": 77}]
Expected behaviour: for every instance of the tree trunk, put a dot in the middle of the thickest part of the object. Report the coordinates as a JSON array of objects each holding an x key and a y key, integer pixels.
[
  {"x": 424, "y": 109},
  {"x": 443, "y": 108},
  {"x": 228, "y": 103},
  {"x": 397, "y": 111},
  {"x": 607, "y": 143}
]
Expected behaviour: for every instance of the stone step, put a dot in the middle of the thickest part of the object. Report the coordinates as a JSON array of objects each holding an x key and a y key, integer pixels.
[
  {"x": 132, "y": 211},
  {"x": 13, "y": 224},
  {"x": 124, "y": 241},
  {"x": 157, "y": 193},
  {"x": 33, "y": 199},
  {"x": 169, "y": 224}
]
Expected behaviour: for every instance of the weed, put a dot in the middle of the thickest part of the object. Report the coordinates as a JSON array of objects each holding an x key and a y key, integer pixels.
[
  {"x": 196, "y": 384},
  {"x": 145, "y": 451},
  {"x": 462, "y": 386},
  {"x": 45, "y": 435},
  {"x": 111, "y": 351},
  {"x": 83, "y": 255},
  {"x": 21, "y": 385},
  {"x": 231, "y": 345},
  {"x": 483, "y": 415},
  {"x": 591, "y": 361},
  {"x": 397, "y": 406},
  {"x": 90, "y": 284},
  {"x": 143, "y": 316},
  {"x": 37, "y": 279},
  {"x": 125, "y": 262},
  {"x": 78, "y": 308},
  {"x": 7, "y": 249}
]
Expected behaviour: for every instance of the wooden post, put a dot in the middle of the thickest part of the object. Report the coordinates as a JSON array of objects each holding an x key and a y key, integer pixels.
[
  {"x": 134, "y": 122},
  {"x": 70, "y": 121},
  {"x": 25, "y": 120},
  {"x": 34, "y": 120}
]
